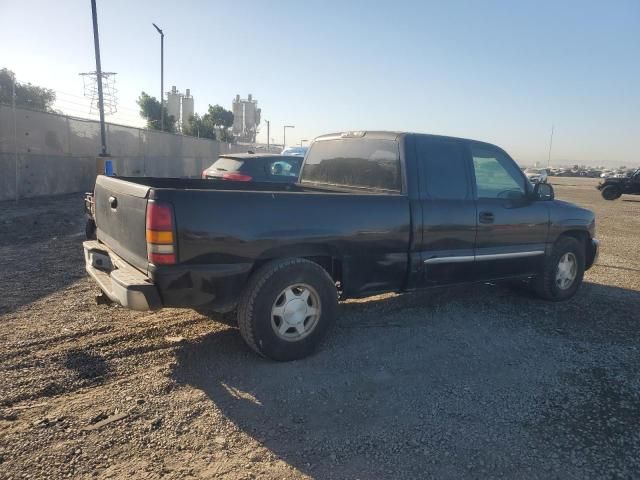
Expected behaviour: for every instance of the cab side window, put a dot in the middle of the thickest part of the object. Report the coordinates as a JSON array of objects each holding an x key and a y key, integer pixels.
[
  {"x": 444, "y": 166},
  {"x": 497, "y": 176}
]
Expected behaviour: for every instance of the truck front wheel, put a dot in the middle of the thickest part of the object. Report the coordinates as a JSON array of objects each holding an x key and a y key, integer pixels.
[
  {"x": 287, "y": 308},
  {"x": 611, "y": 192},
  {"x": 562, "y": 272}
]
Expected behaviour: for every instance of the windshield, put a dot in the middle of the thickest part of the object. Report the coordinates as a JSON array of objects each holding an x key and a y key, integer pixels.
[{"x": 298, "y": 151}]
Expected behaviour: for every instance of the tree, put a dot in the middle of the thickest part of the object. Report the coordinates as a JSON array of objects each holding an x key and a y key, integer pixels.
[
  {"x": 198, "y": 126},
  {"x": 150, "y": 111},
  {"x": 226, "y": 136},
  {"x": 219, "y": 116},
  {"x": 217, "y": 119},
  {"x": 27, "y": 95}
]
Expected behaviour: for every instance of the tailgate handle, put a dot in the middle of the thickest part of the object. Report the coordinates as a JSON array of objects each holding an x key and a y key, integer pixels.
[{"x": 113, "y": 202}]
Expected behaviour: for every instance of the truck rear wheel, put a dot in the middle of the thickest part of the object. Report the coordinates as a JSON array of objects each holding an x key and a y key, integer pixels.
[
  {"x": 287, "y": 309},
  {"x": 562, "y": 272},
  {"x": 611, "y": 192}
]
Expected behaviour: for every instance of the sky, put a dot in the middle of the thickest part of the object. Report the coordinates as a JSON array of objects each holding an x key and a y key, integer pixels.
[{"x": 498, "y": 71}]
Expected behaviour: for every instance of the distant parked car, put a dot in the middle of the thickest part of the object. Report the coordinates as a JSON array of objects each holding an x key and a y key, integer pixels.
[
  {"x": 536, "y": 175},
  {"x": 613, "y": 187},
  {"x": 249, "y": 167},
  {"x": 297, "y": 151}
]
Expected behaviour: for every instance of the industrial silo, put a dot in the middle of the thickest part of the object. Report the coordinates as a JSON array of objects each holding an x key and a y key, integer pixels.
[
  {"x": 238, "y": 116},
  {"x": 173, "y": 103},
  {"x": 187, "y": 108}
]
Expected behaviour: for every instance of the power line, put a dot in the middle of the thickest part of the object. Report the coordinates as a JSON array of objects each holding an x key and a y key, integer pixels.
[{"x": 86, "y": 102}]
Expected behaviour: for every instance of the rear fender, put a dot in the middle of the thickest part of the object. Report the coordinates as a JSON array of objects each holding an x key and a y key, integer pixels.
[{"x": 325, "y": 255}]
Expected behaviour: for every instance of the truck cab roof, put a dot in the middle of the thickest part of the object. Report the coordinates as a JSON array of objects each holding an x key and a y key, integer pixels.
[{"x": 391, "y": 135}]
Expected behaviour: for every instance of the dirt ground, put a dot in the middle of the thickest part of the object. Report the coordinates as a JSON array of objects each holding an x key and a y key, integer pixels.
[{"x": 453, "y": 383}]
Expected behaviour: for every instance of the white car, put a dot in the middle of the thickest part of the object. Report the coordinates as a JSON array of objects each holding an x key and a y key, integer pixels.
[
  {"x": 536, "y": 175},
  {"x": 296, "y": 151}
]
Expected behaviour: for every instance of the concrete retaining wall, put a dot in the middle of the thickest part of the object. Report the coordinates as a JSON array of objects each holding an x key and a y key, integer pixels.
[{"x": 51, "y": 154}]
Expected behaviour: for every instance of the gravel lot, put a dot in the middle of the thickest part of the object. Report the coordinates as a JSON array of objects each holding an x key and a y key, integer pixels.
[{"x": 456, "y": 383}]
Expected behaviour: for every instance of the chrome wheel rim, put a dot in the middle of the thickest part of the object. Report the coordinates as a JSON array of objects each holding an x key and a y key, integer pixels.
[
  {"x": 295, "y": 312},
  {"x": 566, "y": 271}
]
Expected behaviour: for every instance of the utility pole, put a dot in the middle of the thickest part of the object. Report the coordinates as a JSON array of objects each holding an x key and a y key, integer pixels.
[
  {"x": 284, "y": 136},
  {"x": 161, "y": 76},
  {"x": 550, "y": 144},
  {"x": 96, "y": 42},
  {"x": 15, "y": 134},
  {"x": 268, "y": 125}
]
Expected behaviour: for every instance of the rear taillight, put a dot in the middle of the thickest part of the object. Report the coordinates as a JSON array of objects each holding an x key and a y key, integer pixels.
[
  {"x": 161, "y": 242},
  {"x": 237, "y": 177},
  {"x": 204, "y": 174}
]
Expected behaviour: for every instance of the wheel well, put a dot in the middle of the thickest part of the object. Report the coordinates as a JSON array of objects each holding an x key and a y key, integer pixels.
[
  {"x": 332, "y": 265},
  {"x": 580, "y": 235}
]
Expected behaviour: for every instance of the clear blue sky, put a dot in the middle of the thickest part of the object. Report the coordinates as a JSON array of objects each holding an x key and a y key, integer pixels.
[{"x": 501, "y": 71}]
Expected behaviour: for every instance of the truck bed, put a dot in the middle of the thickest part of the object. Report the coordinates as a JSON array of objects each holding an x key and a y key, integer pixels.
[
  {"x": 225, "y": 229},
  {"x": 208, "y": 184}
]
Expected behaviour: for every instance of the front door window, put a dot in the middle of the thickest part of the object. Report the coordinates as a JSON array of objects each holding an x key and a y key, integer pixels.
[{"x": 496, "y": 175}]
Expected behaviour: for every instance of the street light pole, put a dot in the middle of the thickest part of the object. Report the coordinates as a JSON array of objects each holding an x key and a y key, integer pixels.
[
  {"x": 284, "y": 135},
  {"x": 96, "y": 44},
  {"x": 161, "y": 76},
  {"x": 268, "y": 125}
]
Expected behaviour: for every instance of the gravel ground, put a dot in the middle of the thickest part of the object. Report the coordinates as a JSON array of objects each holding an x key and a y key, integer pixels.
[{"x": 452, "y": 383}]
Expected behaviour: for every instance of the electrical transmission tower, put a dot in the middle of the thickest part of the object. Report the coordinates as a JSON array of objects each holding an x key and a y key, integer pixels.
[{"x": 109, "y": 91}]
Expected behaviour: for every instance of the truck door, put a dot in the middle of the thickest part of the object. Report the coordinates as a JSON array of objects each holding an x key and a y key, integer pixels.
[
  {"x": 512, "y": 228},
  {"x": 448, "y": 211}
]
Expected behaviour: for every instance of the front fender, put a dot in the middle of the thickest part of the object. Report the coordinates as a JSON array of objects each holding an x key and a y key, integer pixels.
[{"x": 566, "y": 217}]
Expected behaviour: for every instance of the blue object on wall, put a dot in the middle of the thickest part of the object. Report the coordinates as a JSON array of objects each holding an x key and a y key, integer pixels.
[{"x": 108, "y": 168}]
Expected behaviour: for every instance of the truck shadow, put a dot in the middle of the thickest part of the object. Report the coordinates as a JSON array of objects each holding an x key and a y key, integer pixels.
[
  {"x": 435, "y": 382},
  {"x": 87, "y": 366}
]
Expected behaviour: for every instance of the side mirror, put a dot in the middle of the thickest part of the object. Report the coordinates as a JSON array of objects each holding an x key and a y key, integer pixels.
[{"x": 543, "y": 191}]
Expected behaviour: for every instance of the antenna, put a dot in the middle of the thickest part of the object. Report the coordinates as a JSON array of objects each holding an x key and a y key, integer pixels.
[{"x": 550, "y": 145}]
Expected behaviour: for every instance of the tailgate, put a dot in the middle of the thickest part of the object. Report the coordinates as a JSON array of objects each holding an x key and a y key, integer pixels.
[{"x": 120, "y": 215}]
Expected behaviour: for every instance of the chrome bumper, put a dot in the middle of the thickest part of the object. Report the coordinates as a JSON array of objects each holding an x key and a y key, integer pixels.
[{"x": 119, "y": 281}]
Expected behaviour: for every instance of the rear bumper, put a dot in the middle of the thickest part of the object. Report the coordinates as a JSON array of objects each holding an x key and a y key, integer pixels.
[
  {"x": 593, "y": 250},
  {"x": 119, "y": 281}
]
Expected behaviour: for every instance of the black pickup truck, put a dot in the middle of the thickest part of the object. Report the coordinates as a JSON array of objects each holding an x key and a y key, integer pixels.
[
  {"x": 372, "y": 212},
  {"x": 613, "y": 188}
]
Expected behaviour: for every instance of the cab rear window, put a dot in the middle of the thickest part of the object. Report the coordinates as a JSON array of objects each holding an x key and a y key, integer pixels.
[{"x": 354, "y": 164}]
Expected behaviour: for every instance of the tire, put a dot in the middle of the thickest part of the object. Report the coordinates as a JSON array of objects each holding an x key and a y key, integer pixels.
[
  {"x": 273, "y": 311},
  {"x": 547, "y": 284},
  {"x": 611, "y": 192}
]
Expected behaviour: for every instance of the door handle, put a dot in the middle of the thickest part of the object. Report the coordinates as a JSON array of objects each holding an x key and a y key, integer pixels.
[
  {"x": 113, "y": 202},
  {"x": 486, "y": 217}
]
